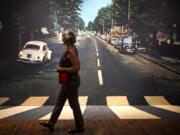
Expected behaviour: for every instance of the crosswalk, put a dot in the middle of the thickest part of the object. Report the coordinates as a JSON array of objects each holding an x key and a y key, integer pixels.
[
  {"x": 35, "y": 100},
  {"x": 118, "y": 105},
  {"x": 110, "y": 100}
]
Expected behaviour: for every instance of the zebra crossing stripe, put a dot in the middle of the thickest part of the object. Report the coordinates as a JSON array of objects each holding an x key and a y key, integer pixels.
[
  {"x": 3, "y": 100},
  {"x": 117, "y": 104},
  {"x": 111, "y": 100},
  {"x": 66, "y": 113},
  {"x": 156, "y": 100},
  {"x": 171, "y": 108},
  {"x": 117, "y": 100},
  {"x": 38, "y": 101},
  {"x": 82, "y": 101},
  {"x": 130, "y": 112},
  {"x": 15, "y": 110}
]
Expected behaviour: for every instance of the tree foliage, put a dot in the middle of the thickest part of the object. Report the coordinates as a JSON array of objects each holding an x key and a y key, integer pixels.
[
  {"x": 24, "y": 18},
  {"x": 145, "y": 15},
  {"x": 104, "y": 17}
]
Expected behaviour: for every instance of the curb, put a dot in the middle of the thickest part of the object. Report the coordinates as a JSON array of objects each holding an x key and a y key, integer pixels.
[{"x": 160, "y": 64}]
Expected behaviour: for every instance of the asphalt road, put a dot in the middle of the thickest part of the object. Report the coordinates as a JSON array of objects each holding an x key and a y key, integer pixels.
[{"x": 104, "y": 73}]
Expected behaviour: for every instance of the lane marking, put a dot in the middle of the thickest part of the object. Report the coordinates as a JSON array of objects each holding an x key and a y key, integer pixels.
[
  {"x": 130, "y": 112},
  {"x": 15, "y": 110},
  {"x": 82, "y": 101},
  {"x": 100, "y": 77},
  {"x": 156, "y": 100},
  {"x": 96, "y": 49},
  {"x": 66, "y": 113},
  {"x": 97, "y": 54},
  {"x": 38, "y": 101},
  {"x": 98, "y": 63},
  {"x": 117, "y": 101},
  {"x": 3, "y": 100}
]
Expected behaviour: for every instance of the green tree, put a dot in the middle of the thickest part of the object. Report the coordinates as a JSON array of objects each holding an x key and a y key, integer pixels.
[
  {"x": 90, "y": 26},
  {"x": 80, "y": 24},
  {"x": 104, "y": 17},
  {"x": 66, "y": 12}
]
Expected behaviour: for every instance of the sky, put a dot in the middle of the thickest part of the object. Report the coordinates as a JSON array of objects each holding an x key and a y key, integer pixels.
[{"x": 90, "y": 9}]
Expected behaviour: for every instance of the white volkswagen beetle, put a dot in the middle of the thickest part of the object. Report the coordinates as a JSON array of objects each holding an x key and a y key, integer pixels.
[{"x": 35, "y": 52}]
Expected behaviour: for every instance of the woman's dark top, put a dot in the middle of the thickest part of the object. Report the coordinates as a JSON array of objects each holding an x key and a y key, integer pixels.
[{"x": 65, "y": 62}]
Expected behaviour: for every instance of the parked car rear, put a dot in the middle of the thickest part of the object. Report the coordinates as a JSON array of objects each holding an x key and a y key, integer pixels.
[
  {"x": 128, "y": 45},
  {"x": 35, "y": 52},
  {"x": 114, "y": 41}
]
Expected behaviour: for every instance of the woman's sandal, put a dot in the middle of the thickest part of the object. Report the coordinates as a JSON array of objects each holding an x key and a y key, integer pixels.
[
  {"x": 47, "y": 125},
  {"x": 75, "y": 130}
]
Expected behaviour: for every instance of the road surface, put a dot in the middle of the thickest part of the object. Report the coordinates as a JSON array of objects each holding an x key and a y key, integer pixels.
[{"x": 108, "y": 78}]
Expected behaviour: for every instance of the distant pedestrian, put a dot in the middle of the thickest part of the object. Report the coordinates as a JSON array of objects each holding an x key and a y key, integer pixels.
[{"x": 68, "y": 69}]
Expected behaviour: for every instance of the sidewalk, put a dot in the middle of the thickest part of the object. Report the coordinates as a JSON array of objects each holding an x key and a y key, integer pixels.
[
  {"x": 172, "y": 64},
  {"x": 94, "y": 127}
]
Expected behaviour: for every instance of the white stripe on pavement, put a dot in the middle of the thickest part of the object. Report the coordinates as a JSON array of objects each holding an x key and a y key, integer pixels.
[
  {"x": 3, "y": 100},
  {"x": 35, "y": 100},
  {"x": 117, "y": 101},
  {"x": 97, "y": 54},
  {"x": 156, "y": 100},
  {"x": 67, "y": 111},
  {"x": 82, "y": 101},
  {"x": 130, "y": 112},
  {"x": 65, "y": 114},
  {"x": 15, "y": 110},
  {"x": 100, "y": 77},
  {"x": 171, "y": 108},
  {"x": 98, "y": 63},
  {"x": 96, "y": 49}
]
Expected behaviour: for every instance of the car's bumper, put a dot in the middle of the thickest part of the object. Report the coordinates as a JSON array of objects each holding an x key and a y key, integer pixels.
[{"x": 29, "y": 61}]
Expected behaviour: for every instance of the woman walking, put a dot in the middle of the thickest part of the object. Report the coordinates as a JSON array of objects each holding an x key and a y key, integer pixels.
[{"x": 69, "y": 79}]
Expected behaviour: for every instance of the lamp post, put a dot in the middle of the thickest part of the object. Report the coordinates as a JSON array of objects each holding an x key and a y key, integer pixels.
[
  {"x": 112, "y": 23},
  {"x": 129, "y": 14},
  {"x": 103, "y": 27}
]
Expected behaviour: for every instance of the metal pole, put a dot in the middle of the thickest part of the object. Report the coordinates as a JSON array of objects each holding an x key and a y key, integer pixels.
[
  {"x": 129, "y": 14},
  {"x": 129, "y": 9},
  {"x": 103, "y": 27},
  {"x": 112, "y": 23}
]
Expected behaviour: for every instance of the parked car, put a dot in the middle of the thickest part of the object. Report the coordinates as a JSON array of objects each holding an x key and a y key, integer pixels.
[
  {"x": 114, "y": 41},
  {"x": 128, "y": 45},
  {"x": 119, "y": 44},
  {"x": 35, "y": 52}
]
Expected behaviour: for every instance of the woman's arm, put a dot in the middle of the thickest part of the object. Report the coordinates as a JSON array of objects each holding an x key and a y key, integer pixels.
[{"x": 75, "y": 63}]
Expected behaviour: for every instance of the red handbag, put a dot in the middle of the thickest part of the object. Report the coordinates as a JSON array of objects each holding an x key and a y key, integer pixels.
[{"x": 63, "y": 78}]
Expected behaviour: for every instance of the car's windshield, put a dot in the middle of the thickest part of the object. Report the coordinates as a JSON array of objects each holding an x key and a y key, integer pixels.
[{"x": 31, "y": 46}]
